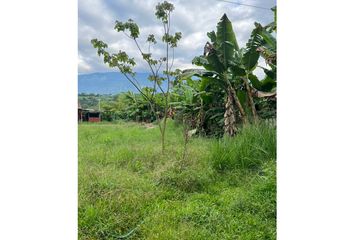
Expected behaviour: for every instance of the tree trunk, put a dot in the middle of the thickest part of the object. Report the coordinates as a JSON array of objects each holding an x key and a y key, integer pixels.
[
  {"x": 239, "y": 105},
  {"x": 163, "y": 140},
  {"x": 250, "y": 100},
  {"x": 164, "y": 122},
  {"x": 229, "y": 117},
  {"x": 231, "y": 91}
]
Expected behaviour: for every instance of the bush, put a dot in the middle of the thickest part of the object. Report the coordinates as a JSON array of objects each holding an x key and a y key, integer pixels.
[{"x": 253, "y": 145}]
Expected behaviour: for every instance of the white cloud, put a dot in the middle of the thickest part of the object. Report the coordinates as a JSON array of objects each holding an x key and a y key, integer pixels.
[
  {"x": 193, "y": 41},
  {"x": 180, "y": 63},
  {"x": 83, "y": 66},
  {"x": 191, "y": 17},
  {"x": 259, "y": 71}
]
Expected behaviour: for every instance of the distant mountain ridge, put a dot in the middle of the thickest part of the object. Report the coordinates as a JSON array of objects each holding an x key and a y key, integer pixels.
[{"x": 109, "y": 82}]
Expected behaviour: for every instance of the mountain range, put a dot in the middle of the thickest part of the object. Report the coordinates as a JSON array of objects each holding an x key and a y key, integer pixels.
[{"x": 109, "y": 82}]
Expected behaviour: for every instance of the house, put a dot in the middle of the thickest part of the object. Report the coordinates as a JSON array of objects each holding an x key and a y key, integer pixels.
[
  {"x": 88, "y": 115},
  {"x": 92, "y": 115}
]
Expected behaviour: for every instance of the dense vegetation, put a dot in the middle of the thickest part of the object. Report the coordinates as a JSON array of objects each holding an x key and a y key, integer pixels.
[
  {"x": 92, "y": 101},
  {"x": 215, "y": 175},
  {"x": 214, "y": 100},
  {"x": 220, "y": 190}
]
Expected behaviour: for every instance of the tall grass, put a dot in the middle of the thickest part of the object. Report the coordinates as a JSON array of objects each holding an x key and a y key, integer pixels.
[
  {"x": 126, "y": 183},
  {"x": 253, "y": 145}
]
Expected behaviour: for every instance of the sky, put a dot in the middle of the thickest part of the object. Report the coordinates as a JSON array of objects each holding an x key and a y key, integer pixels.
[{"x": 194, "y": 18}]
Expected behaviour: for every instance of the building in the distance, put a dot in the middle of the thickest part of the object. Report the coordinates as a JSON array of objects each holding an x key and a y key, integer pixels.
[
  {"x": 91, "y": 115},
  {"x": 88, "y": 115}
]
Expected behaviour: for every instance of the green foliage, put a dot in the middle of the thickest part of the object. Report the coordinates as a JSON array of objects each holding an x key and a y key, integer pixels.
[
  {"x": 230, "y": 69},
  {"x": 163, "y": 11},
  {"x": 136, "y": 107},
  {"x": 89, "y": 101},
  {"x": 267, "y": 84},
  {"x": 130, "y": 25},
  {"x": 253, "y": 146},
  {"x": 197, "y": 100},
  {"x": 251, "y": 55},
  {"x": 121, "y": 60},
  {"x": 266, "y": 108},
  {"x": 223, "y": 188},
  {"x": 229, "y": 74},
  {"x": 125, "y": 64},
  {"x": 151, "y": 39},
  {"x": 126, "y": 106},
  {"x": 172, "y": 40},
  {"x": 226, "y": 44},
  {"x": 198, "y": 96}
]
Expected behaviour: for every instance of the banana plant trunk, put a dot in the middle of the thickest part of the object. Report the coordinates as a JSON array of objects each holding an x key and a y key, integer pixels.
[
  {"x": 239, "y": 105},
  {"x": 229, "y": 116},
  {"x": 250, "y": 100},
  {"x": 232, "y": 94}
]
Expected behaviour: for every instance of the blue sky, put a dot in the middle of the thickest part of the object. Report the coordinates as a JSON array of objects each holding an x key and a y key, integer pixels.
[{"x": 191, "y": 17}]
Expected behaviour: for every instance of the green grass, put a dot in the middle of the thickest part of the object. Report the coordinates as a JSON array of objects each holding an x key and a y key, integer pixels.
[
  {"x": 224, "y": 189},
  {"x": 253, "y": 146}
]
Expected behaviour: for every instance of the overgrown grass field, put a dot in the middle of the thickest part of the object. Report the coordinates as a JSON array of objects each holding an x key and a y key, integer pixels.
[{"x": 223, "y": 189}]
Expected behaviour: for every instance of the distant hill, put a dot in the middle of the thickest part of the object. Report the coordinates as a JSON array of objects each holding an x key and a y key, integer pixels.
[{"x": 109, "y": 82}]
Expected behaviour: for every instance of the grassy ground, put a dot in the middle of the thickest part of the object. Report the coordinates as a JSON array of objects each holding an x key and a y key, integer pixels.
[{"x": 224, "y": 189}]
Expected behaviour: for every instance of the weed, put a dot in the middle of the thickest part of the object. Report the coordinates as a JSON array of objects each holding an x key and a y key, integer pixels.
[
  {"x": 254, "y": 145},
  {"x": 125, "y": 182}
]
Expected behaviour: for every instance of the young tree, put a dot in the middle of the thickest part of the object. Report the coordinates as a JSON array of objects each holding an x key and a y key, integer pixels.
[{"x": 125, "y": 64}]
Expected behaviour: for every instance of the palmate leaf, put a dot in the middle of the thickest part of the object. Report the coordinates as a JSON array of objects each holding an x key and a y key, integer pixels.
[{"x": 226, "y": 41}]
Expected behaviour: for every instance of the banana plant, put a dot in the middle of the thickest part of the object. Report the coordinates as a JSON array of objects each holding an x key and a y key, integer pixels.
[
  {"x": 220, "y": 58},
  {"x": 233, "y": 66},
  {"x": 266, "y": 44},
  {"x": 197, "y": 100}
]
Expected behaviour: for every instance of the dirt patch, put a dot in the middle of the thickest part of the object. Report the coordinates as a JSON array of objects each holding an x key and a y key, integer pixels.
[{"x": 148, "y": 125}]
